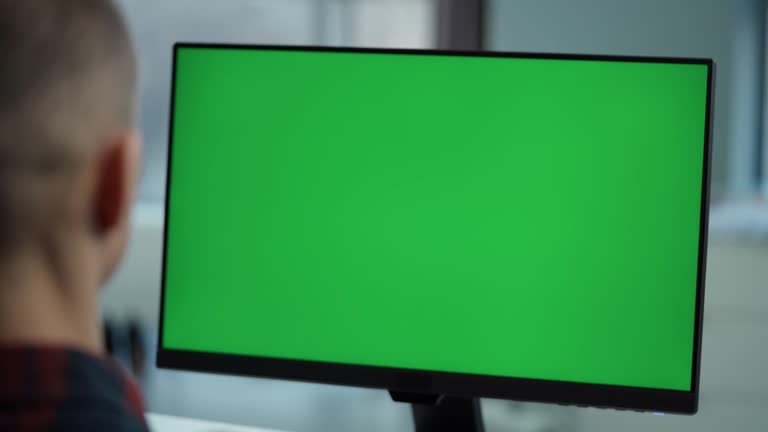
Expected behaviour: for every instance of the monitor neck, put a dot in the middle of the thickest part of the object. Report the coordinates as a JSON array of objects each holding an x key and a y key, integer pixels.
[{"x": 433, "y": 413}]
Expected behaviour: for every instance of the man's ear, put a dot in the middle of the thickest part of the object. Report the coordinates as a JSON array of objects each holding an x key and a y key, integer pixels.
[{"x": 117, "y": 174}]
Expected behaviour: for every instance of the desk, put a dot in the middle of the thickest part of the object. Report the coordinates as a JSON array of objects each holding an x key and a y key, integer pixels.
[{"x": 164, "y": 423}]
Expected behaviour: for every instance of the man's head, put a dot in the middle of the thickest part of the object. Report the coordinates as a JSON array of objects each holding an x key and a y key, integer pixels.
[{"x": 69, "y": 155}]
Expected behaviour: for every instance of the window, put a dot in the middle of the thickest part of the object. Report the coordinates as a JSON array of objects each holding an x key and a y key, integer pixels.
[
  {"x": 763, "y": 149},
  {"x": 747, "y": 103},
  {"x": 156, "y": 25}
]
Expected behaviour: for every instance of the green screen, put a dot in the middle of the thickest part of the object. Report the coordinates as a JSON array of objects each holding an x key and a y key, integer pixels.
[{"x": 529, "y": 218}]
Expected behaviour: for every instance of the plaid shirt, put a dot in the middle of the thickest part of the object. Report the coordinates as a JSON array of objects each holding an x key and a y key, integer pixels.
[{"x": 57, "y": 390}]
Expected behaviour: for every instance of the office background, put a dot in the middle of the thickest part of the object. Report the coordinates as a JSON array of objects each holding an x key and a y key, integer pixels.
[{"x": 733, "y": 32}]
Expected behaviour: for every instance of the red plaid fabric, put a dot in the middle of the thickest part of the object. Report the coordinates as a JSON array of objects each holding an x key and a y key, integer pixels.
[{"x": 55, "y": 389}]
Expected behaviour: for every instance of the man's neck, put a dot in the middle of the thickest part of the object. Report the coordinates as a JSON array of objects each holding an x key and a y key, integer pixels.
[{"x": 37, "y": 308}]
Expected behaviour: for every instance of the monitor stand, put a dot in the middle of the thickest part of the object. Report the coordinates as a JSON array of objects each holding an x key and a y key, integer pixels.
[{"x": 433, "y": 413}]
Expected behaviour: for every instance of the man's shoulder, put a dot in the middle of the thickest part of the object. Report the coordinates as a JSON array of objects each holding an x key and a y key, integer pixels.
[{"x": 58, "y": 389}]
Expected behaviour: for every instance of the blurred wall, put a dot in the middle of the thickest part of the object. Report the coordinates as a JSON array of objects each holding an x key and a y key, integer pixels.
[{"x": 729, "y": 31}]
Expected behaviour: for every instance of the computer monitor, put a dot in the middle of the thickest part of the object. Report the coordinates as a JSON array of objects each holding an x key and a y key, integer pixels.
[{"x": 518, "y": 226}]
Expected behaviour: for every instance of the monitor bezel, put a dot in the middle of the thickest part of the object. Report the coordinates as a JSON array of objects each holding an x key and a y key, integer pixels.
[{"x": 454, "y": 384}]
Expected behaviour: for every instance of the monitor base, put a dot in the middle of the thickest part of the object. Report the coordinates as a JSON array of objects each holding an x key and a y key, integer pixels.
[{"x": 433, "y": 413}]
